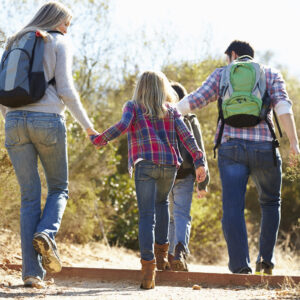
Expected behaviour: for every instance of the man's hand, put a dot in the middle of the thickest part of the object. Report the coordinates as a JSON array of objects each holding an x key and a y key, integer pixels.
[
  {"x": 200, "y": 174},
  {"x": 294, "y": 152},
  {"x": 294, "y": 149},
  {"x": 288, "y": 123}
]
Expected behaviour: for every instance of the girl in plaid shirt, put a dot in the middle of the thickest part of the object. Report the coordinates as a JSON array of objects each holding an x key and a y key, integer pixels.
[{"x": 152, "y": 126}]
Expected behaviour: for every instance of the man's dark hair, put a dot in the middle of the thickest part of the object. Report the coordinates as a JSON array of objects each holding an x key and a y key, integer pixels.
[
  {"x": 179, "y": 89},
  {"x": 240, "y": 48}
]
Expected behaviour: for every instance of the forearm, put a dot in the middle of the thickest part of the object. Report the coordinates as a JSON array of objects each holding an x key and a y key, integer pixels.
[
  {"x": 288, "y": 123},
  {"x": 117, "y": 129},
  {"x": 206, "y": 93},
  {"x": 183, "y": 106},
  {"x": 190, "y": 144},
  {"x": 108, "y": 135}
]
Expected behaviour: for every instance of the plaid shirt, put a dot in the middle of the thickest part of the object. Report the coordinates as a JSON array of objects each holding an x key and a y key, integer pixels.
[
  {"x": 209, "y": 92},
  {"x": 152, "y": 138}
]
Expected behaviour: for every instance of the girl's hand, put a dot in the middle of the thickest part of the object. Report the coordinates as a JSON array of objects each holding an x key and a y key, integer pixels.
[{"x": 200, "y": 174}]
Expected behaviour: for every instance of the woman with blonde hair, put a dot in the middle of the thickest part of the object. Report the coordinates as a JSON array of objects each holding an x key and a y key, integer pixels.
[
  {"x": 38, "y": 130},
  {"x": 152, "y": 126}
]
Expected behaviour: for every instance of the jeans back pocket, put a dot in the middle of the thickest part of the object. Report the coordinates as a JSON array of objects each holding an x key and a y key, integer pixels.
[
  {"x": 11, "y": 132},
  {"x": 46, "y": 131}
]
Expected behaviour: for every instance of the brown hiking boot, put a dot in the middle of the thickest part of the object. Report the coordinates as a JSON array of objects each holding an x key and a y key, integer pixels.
[
  {"x": 179, "y": 261},
  {"x": 148, "y": 273},
  {"x": 170, "y": 258},
  {"x": 161, "y": 255}
]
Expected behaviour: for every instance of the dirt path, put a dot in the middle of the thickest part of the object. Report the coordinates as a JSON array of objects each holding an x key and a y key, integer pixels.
[
  {"x": 100, "y": 256},
  {"x": 70, "y": 289}
]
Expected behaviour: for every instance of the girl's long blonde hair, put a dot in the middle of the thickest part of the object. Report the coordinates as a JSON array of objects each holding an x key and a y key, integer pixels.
[
  {"x": 152, "y": 91},
  {"x": 48, "y": 17}
]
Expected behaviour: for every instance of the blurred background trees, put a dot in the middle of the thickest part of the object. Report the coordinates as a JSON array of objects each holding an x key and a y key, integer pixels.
[{"x": 102, "y": 204}]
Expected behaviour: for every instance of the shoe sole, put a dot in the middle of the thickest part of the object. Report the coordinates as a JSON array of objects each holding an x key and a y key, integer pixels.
[
  {"x": 263, "y": 273},
  {"x": 148, "y": 286},
  {"x": 178, "y": 265},
  {"x": 33, "y": 283},
  {"x": 50, "y": 261},
  {"x": 164, "y": 267}
]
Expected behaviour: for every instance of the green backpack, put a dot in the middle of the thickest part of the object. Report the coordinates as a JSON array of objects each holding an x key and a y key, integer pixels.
[
  {"x": 242, "y": 87},
  {"x": 243, "y": 98}
]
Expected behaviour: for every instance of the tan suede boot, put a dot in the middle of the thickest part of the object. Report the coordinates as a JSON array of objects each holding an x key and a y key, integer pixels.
[
  {"x": 148, "y": 273},
  {"x": 161, "y": 255}
]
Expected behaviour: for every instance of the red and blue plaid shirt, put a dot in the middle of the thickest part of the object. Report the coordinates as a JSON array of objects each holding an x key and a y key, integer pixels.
[
  {"x": 151, "y": 138},
  {"x": 209, "y": 92}
]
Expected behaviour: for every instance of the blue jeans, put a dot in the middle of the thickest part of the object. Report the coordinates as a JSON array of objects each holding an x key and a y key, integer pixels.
[
  {"x": 29, "y": 136},
  {"x": 238, "y": 159},
  {"x": 153, "y": 184},
  {"x": 180, "y": 199}
]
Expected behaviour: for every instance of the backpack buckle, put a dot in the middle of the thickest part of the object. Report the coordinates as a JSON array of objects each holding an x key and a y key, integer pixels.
[{"x": 275, "y": 143}]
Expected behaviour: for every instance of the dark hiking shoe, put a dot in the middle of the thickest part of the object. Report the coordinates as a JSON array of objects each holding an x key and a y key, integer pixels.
[
  {"x": 179, "y": 261},
  {"x": 50, "y": 260},
  {"x": 245, "y": 270},
  {"x": 263, "y": 268}
]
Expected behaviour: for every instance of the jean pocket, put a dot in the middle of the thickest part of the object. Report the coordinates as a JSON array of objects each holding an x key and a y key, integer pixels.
[
  {"x": 46, "y": 131},
  {"x": 264, "y": 158},
  {"x": 11, "y": 133},
  {"x": 228, "y": 154},
  {"x": 144, "y": 172}
]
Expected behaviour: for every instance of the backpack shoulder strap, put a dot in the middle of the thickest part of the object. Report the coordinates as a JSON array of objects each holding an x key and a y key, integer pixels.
[
  {"x": 225, "y": 81},
  {"x": 55, "y": 31},
  {"x": 259, "y": 87}
]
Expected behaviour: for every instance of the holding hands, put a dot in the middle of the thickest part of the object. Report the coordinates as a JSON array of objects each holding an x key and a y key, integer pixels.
[
  {"x": 91, "y": 131},
  {"x": 200, "y": 174},
  {"x": 200, "y": 177}
]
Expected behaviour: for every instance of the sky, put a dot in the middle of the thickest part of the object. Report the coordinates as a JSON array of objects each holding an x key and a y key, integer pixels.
[
  {"x": 210, "y": 26},
  {"x": 191, "y": 29}
]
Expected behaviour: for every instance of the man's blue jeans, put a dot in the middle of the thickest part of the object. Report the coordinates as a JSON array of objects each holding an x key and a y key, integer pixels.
[
  {"x": 153, "y": 184},
  {"x": 238, "y": 159},
  {"x": 29, "y": 136},
  {"x": 180, "y": 199}
]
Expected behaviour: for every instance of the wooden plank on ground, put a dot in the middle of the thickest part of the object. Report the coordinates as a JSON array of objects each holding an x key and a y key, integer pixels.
[{"x": 172, "y": 278}]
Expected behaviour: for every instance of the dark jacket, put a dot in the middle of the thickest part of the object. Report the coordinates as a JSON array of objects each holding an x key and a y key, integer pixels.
[{"x": 187, "y": 167}]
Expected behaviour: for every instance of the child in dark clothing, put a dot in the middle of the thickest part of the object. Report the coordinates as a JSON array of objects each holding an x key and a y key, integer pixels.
[{"x": 181, "y": 195}]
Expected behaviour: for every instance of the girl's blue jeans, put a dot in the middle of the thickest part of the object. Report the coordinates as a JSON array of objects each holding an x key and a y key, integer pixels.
[
  {"x": 29, "y": 136},
  {"x": 238, "y": 160},
  {"x": 153, "y": 183},
  {"x": 180, "y": 212}
]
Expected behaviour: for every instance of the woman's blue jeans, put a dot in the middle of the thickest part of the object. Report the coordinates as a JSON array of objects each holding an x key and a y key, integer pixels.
[
  {"x": 238, "y": 159},
  {"x": 29, "y": 136},
  {"x": 180, "y": 199},
  {"x": 153, "y": 184}
]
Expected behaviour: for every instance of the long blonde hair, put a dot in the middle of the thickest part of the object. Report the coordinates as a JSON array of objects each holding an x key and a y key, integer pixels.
[
  {"x": 152, "y": 91},
  {"x": 48, "y": 17}
]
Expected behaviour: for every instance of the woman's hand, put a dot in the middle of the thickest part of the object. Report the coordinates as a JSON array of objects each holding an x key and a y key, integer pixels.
[
  {"x": 91, "y": 131},
  {"x": 200, "y": 174}
]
